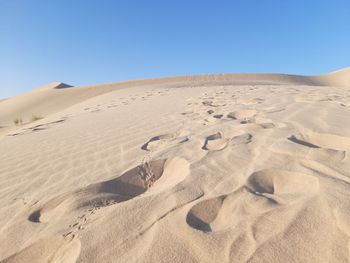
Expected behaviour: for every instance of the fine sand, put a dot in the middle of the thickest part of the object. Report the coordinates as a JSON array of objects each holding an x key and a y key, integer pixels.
[{"x": 211, "y": 168}]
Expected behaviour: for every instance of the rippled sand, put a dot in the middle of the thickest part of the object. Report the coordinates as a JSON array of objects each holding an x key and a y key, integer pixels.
[{"x": 216, "y": 168}]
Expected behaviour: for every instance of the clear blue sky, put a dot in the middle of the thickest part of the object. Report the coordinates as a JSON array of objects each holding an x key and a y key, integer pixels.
[{"x": 95, "y": 41}]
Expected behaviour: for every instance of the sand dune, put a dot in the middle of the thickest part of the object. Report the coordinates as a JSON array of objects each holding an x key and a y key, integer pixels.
[
  {"x": 339, "y": 78},
  {"x": 57, "y": 96},
  {"x": 214, "y": 168}
]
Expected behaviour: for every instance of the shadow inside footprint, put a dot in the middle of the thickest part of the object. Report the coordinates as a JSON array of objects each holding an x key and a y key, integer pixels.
[
  {"x": 35, "y": 217},
  {"x": 135, "y": 181},
  {"x": 148, "y": 145},
  {"x": 304, "y": 143},
  {"x": 218, "y": 116},
  {"x": 202, "y": 214},
  {"x": 215, "y": 142},
  {"x": 247, "y": 121},
  {"x": 57, "y": 121},
  {"x": 163, "y": 141}
]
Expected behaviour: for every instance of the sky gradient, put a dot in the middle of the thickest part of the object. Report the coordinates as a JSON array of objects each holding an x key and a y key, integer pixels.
[{"x": 88, "y": 42}]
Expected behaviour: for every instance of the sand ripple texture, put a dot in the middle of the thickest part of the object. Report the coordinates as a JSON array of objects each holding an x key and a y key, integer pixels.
[{"x": 214, "y": 168}]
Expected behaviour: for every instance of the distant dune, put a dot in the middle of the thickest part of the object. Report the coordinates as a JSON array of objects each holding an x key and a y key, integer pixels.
[
  {"x": 340, "y": 78},
  {"x": 210, "y": 168},
  {"x": 54, "y": 85}
]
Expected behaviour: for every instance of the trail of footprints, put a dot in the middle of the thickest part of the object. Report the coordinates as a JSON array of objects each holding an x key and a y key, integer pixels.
[
  {"x": 89, "y": 216},
  {"x": 38, "y": 127},
  {"x": 218, "y": 141},
  {"x": 92, "y": 198},
  {"x": 218, "y": 107},
  {"x": 212, "y": 109},
  {"x": 338, "y": 98},
  {"x": 128, "y": 100},
  {"x": 125, "y": 187},
  {"x": 93, "y": 109},
  {"x": 265, "y": 190}
]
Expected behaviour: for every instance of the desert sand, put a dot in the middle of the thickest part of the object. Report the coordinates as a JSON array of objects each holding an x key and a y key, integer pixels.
[{"x": 211, "y": 168}]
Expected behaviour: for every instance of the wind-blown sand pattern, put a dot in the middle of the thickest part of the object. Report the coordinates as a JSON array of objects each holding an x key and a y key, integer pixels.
[{"x": 214, "y": 168}]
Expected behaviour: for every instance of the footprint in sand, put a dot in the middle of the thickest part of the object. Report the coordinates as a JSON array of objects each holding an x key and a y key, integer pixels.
[
  {"x": 215, "y": 142},
  {"x": 321, "y": 140},
  {"x": 267, "y": 125},
  {"x": 213, "y": 104},
  {"x": 304, "y": 150},
  {"x": 39, "y": 127},
  {"x": 212, "y": 118},
  {"x": 218, "y": 116},
  {"x": 241, "y": 139},
  {"x": 218, "y": 141},
  {"x": 242, "y": 114},
  {"x": 123, "y": 188},
  {"x": 282, "y": 186},
  {"x": 204, "y": 213},
  {"x": 264, "y": 191},
  {"x": 161, "y": 142},
  {"x": 168, "y": 179},
  {"x": 129, "y": 185},
  {"x": 247, "y": 121}
]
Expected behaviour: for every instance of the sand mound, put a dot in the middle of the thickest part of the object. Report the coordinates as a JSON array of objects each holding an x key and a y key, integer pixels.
[{"x": 339, "y": 78}]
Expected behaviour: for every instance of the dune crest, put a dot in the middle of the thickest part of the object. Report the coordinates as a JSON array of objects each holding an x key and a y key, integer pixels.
[{"x": 54, "y": 85}]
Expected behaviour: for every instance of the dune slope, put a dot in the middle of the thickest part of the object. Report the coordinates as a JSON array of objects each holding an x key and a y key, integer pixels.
[
  {"x": 339, "y": 78},
  {"x": 217, "y": 168},
  {"x": 57, "y": 96}
]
